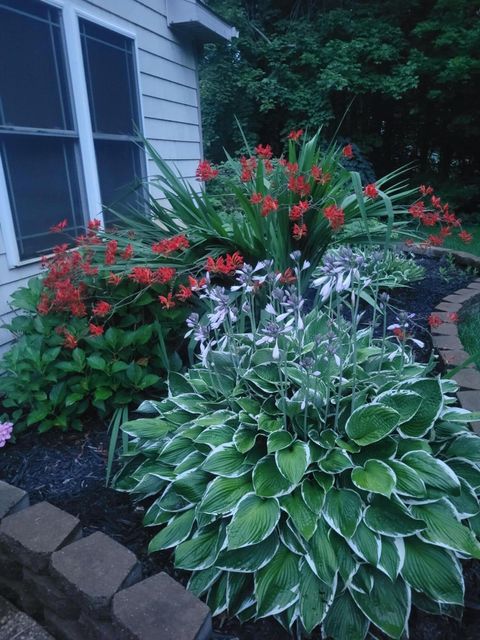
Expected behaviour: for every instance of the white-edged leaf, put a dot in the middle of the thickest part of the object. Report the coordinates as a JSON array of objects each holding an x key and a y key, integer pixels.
[
  {"x": 375, "y": 476},
  {"x": 392, "y": 556},
  {"x": 315, "y": 598},
  {"x": 215, "y": 436},
  {"x": 223, "y": 494},
  {"x": 465, "y": 446},
  {"x": 371, "y": 423},
  {"x": 254, "y": 520},
  {"x": 201, "y": 551},
  {"x": 226, "y": 461},
  {"x": 302, "y": 517},
  {"x": 293, "y": 461},
  {"x": 176, "y": 531},
  {"x": 279, "y": 440},
  {"x": 408, "y": 481},
  {"x": 268, "y": 482},
  {"x": 433, "y": 471},
  {"x": 366, "y": 544},
  {"x": 321, "y": 556},
  {"x": 313, "y": 495},
  {"x": 147, "y": 427},
  {"x": 276, "y": 585},
  {"x": 429, "y": 410},
  {"x": 201, "y": 581},
  {"x": 249, "y": 559},
  {"x": 344, "y": 620},
  {"x": 389, "y": 518},
  {"x": 343, "y": 511}
]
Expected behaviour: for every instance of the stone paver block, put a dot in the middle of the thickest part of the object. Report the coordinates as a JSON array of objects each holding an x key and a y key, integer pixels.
[
  {"x": 64, "y": 629},
  {"x": 98, "y": 629},
  {"x": 470, "y": 400},
  {"x": 455, "y": 357},
  {"x": 34, "y": 533},
  {"x": 12, "y": 499},
  {"x": 447, "y": 342},
  {"x": 159, "y": 607},
  {"x": 15, "y": 625},
  {"x": 451, "y": 307},
  {"x": 475, "y": 286},
  {"x": 468, "y": 378},
  {"x": 446, "y": 329},
  {"x": 46, "y": 592},
  {"x": 93, "y": 570}
]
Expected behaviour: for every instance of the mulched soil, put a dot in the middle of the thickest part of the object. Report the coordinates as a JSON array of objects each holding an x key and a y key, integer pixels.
[{"x": 68, "y": 470}]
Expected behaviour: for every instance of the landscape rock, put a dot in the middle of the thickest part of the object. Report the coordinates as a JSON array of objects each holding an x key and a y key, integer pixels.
[
  {"x": 15, "y": 625},
  {"x": 12, "y": 499}
]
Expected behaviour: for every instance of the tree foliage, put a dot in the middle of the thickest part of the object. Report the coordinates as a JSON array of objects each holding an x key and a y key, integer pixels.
[{"x": 411, "y": 69}]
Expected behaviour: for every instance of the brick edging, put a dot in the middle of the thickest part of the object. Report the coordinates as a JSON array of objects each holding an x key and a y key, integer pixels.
[
  {"x": 445, "y": 337},
  {"x": 87, "y": 587}
]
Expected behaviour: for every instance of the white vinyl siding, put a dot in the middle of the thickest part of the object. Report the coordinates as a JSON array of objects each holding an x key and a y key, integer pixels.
[{"x": 168, "y": 88}]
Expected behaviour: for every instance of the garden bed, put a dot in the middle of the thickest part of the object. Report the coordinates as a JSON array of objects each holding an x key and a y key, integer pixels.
[{"x": 68, "y": 470}]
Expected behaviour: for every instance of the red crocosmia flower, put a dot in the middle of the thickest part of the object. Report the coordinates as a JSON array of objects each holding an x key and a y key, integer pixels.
[
  {"x": 60, "y": 249},
  {"x": 465, "y": 236},
  {"x": 167, "y": 301},
  {"x": 298, "y": 210},
  {"x": 299, "y": 230},
  {"x": 95, "y": 329},
  {"x": 70, "y": 341},
  {"x": 264, "y": 152},
  {"x": 43, "y": 306},
  {"x": 94, "y": 225},
  {"x": 127, "y": 252},
  {"x": 164, "y": 274},
  {"x": 288, "y": 277},
  {"x": 101, "y": 308},
  {"x": 417, "y": 210},
  {"x": 183, "y": 293},
  {"x": 141, "y": 275},
  {"x": 399, "y": 333},
  {"x": 269, "y": 204},
  {"x": 169, "y": 245},
  {"x": 196, "y": 284},
  {"x": 111, "y": 252},
  {"x": 292, "y": 168},
  {"x": 434, "y": 320},
  {"x": 295, "y": 135},
  {"x": 256, "y": 198},
  {"x": 450, "y": 218},
  {"x": 409, "y": 242},
  {"x": 205, "y": 171},
  {"x": 435, "y": 241},
  {"x": 114, "y": 279},
  {"x": 225, "y": 265},
  {"x": 436, "y": 202},
  {"x": 371, "y": 191},
  {"x": 445, "y": 231},
  {"x": 424, "y": 190},
  {"x": 335, "y": 216},
  {"x": 298, "y": 185},
  {"x": 430, "y": 219},
  {"x": 268, "y": 166},
  {"x": 347, "y": 151},
  {"x": 248, "y": 168},
  {"x": 58, "y": 228},
  {"x": 453, "y": 317},
  {"x": 88, "y": 270}
]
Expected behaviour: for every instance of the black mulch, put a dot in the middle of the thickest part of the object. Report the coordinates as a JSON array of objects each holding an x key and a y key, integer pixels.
[{"x": 68, "y": 470}]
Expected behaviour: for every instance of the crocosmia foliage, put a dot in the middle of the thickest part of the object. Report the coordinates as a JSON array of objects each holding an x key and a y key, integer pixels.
[{"x": 305, "y": 469}]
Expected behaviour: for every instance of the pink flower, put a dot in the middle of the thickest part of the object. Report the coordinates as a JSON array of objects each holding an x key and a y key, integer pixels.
[{"x": 6, "y": 429}]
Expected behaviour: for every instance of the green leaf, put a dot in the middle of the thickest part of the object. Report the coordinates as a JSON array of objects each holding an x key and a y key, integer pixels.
[
  {"x": 269, "y": 424},
  {"x": 444, "y": 528},
  {"x": 277, "y": 583},
  {"x": 254, "y": 520},
  {"x": 147, "y": 427},
  {"x": 371, "y": 423},
  {"x": 293, "y": 461},
  {"x": 375, "y": 476},
  {"x": 201, "y": 581},
  {"x": 313, "y": 495},
  {"x": 465, "y": 446},
  {"x": 304, "y": 520},
  {"x": 390, "y": 518},
  {"x": 249, "y": 559},
  {"x": 268, "y": 482},
  {"x": 177, "y": 530},
  {"x": 433, "y": 571},
  {"x": 392, "y": 556},
  {"x": 405, "y": 402},
  {"x": 244, "y": 438},
  {"x": 315, "y": 598},
  {"x": 226, "y": 461},
  {"x": 430, "y": 408},
  {"x": 97, "y": 362},
  {"x": 344, "y": 620},
  {"x": 215, "y": 436},
  {"x": 192, "y": 485},
  {"x": 432, "y": 471},
  {"x": 239, "y": 592},
  {"x": 223, "y": 494},
  {"x": 335, "y": 461},
  {"x": 279, "y": 440},
  {"x": 466, "y": 470},
  {"x": 408, "y": 481},
  {"x": 321, "y": 556},
  {"x": 201, "y": 551},
  {"x": 366, "y": 544},
  {"x": 343, "y": 511},
  {"x": 387, "y": 605}
]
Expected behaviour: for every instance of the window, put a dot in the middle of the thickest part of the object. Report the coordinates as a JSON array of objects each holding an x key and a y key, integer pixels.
[{"x": 41, "y": 150}]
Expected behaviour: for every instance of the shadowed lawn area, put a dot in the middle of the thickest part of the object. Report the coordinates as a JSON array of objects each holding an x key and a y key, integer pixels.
[{"x": 455, "y": 243}]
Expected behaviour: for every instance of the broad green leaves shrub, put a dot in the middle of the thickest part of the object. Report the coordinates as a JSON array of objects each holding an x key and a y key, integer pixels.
[{"x": 309, "y": 472}]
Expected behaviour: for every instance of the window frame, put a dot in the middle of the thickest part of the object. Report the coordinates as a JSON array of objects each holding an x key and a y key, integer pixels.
[{"x": 77, "y": 83}]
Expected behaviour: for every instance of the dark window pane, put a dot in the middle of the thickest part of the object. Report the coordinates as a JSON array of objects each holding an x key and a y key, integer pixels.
[
  {"x": 120, "y": 170},
  {"x": 33, "y": 85},
  {"x": 42, "y": 178},
  {"x": 110, "y": 72}
]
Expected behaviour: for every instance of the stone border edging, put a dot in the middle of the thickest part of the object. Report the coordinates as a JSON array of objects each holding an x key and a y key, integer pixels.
[
  {"x": 87, "y": 588},
  {"x": 445, "y": 337}
]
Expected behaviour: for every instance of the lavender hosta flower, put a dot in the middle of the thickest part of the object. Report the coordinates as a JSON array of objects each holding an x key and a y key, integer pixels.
[
  {"x": 247, "y": 279},
  {"x": 340, "y": 269},
  {"x": 6, "y": 429},
  {"x": 271, "y": 333},
  {"x": 200, "y": 332}
]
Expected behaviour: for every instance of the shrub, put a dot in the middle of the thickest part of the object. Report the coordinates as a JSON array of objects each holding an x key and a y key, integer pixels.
[{"x": 305, "y": 470}]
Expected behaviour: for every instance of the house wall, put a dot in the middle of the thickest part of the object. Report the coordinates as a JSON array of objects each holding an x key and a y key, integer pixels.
[{"x": 170, "y": 104}]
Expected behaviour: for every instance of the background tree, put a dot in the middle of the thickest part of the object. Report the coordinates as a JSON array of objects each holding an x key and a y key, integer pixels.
[{"x": 412, "y": 70}]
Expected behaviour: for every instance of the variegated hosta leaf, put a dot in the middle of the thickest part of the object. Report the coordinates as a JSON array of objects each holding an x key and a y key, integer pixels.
[
  {"x": 223, "y": 494},
  {"x": 321, "y": 555},
  {"x": 344, "y": 620},
  {"x": 375, "y": 476},
  {"x": 276, "y": 585},
  {"x": 304, "y": 520},
  {"x": 408, "y": 482},
  {"x": 268, "y": 482},
  {"x": 366, "y": 544},
  {"x": 465, "y": 446},
  {"x": 390, "y": 518},
  {"x": 429, "y": 410},
  {"x": 387, "y": 605},
  {"x": 177, "y": 530},
  {"x": 434, "y": 571},
  {"x": 253, "y": 520},
  {"x": 315, "y": 599},
  {"x": 371, "y": 423},
  {"x": 249, "y": 559},
  {"x": 201, "y": 551},
  {"x": 432, "y": 471},
  {"x": 392, "y": 556},
  {"x": 293, "y": 461},
  {"x": 226, "y": 461},
  {"x": 343, "y": 511},
  {"x": 147, "y": 427}
]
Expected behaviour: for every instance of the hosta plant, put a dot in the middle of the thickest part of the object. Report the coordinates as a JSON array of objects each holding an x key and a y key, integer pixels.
[{"x": 305, "y": 471}]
